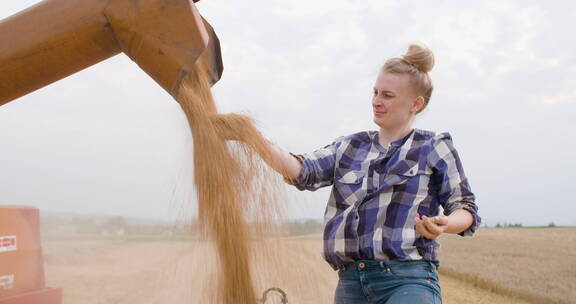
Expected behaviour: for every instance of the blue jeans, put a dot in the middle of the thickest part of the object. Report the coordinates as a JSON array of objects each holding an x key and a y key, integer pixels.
[{"x": 390, "y": 282}]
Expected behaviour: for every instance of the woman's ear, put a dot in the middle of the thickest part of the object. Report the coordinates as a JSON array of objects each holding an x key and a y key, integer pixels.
[{"x": 417, "y": 104}]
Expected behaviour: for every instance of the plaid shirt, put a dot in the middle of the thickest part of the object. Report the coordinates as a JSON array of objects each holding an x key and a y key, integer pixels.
[{"x": 377, "y": 192}]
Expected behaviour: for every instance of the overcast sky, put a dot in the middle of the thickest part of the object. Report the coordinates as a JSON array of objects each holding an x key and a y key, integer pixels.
[{"x": 109, "y": 140}]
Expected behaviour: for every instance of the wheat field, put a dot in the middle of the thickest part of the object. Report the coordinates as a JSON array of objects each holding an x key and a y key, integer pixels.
[{"x": 495, "y": 266}]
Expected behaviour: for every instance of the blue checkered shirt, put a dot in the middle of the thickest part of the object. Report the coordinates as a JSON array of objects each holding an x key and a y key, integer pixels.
[{"x": 377, "y": 191}]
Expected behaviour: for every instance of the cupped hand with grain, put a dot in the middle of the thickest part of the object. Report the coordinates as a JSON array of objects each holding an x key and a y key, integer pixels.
[{"x": 433, "y": 227}]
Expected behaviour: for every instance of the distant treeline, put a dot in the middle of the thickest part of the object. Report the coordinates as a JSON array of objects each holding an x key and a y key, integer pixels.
[
  {"x": 302, "y": 227},
  {"x": 516, "y": 225},
  {"x": 54, "y": 225}
]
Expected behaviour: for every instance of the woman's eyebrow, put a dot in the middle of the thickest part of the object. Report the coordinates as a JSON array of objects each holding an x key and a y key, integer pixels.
[{"x": 383, "y": 91}]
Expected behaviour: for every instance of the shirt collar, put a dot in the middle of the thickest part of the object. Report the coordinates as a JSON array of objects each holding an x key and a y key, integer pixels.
[
  {"x": 402, "y": 140},
  {"x": 395, "y": 143}
]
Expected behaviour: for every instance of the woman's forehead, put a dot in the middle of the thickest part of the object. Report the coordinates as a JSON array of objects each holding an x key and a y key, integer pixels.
[{"x": 391, "y": 82}]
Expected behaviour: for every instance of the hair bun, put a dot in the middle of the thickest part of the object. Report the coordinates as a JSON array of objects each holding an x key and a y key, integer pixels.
[{"x": 420, "y": 56}]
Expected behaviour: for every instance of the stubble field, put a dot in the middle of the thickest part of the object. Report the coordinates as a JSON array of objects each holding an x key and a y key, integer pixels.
[{"x": 507, "y": 265}]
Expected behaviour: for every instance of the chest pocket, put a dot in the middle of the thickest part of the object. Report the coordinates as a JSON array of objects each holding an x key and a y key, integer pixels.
[
  {"x": 349, "y": 185},
  {"x": 401, "y": 172}
]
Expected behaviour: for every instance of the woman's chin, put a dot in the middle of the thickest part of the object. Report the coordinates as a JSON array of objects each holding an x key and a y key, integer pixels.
[{"x": 380, "y": 122}]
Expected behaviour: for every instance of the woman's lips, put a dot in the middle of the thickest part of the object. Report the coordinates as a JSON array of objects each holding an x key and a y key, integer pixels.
[{"x": 379, "y": 113}]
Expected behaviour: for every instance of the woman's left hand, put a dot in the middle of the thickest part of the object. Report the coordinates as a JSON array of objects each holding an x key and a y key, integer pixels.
[{"x": 431, "y": 227}]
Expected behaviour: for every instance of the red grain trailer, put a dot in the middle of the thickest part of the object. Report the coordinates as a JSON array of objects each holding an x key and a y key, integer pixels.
[{"x": 21, "y": 263}]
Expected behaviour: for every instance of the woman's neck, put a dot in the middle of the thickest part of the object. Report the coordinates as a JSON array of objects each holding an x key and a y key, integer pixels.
[{"x": 386, "y": 136}]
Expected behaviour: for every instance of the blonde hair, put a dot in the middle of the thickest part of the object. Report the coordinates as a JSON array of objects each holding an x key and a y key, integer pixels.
[{"x": 416, "y": 63}]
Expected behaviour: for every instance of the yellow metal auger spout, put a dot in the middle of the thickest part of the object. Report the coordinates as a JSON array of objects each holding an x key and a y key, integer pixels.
[{"x": 56, "y": 38}]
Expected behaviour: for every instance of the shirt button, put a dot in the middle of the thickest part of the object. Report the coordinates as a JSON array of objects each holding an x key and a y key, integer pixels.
[{"x": 361, "y": 265}]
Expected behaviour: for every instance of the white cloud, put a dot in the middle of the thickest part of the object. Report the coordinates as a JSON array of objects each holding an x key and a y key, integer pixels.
[
  {"x": 304, "y": 9},
  {"x": 569, "y": 97}
]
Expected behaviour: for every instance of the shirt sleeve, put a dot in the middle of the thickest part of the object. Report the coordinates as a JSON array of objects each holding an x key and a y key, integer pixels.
[
  {"x": 317, "y": 168},
  {"x": 454, "y": 189}
]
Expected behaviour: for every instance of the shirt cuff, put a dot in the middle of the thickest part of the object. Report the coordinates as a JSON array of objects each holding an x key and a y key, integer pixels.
[
  {"x": 473, "y": 209},
  {"x": 300, "y": 180}
]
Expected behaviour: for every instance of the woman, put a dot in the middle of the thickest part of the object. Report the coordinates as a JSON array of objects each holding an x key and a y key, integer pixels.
[{"x": 382, "y": 217}]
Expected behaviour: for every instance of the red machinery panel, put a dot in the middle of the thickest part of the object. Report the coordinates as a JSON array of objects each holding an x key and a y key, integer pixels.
[
  {"x": 43, "y": 296},
  {"x": 21, "y": 263}
]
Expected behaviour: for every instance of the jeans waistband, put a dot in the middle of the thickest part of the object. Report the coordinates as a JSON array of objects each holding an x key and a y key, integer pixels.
[{"x": 372, "y": 264}]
